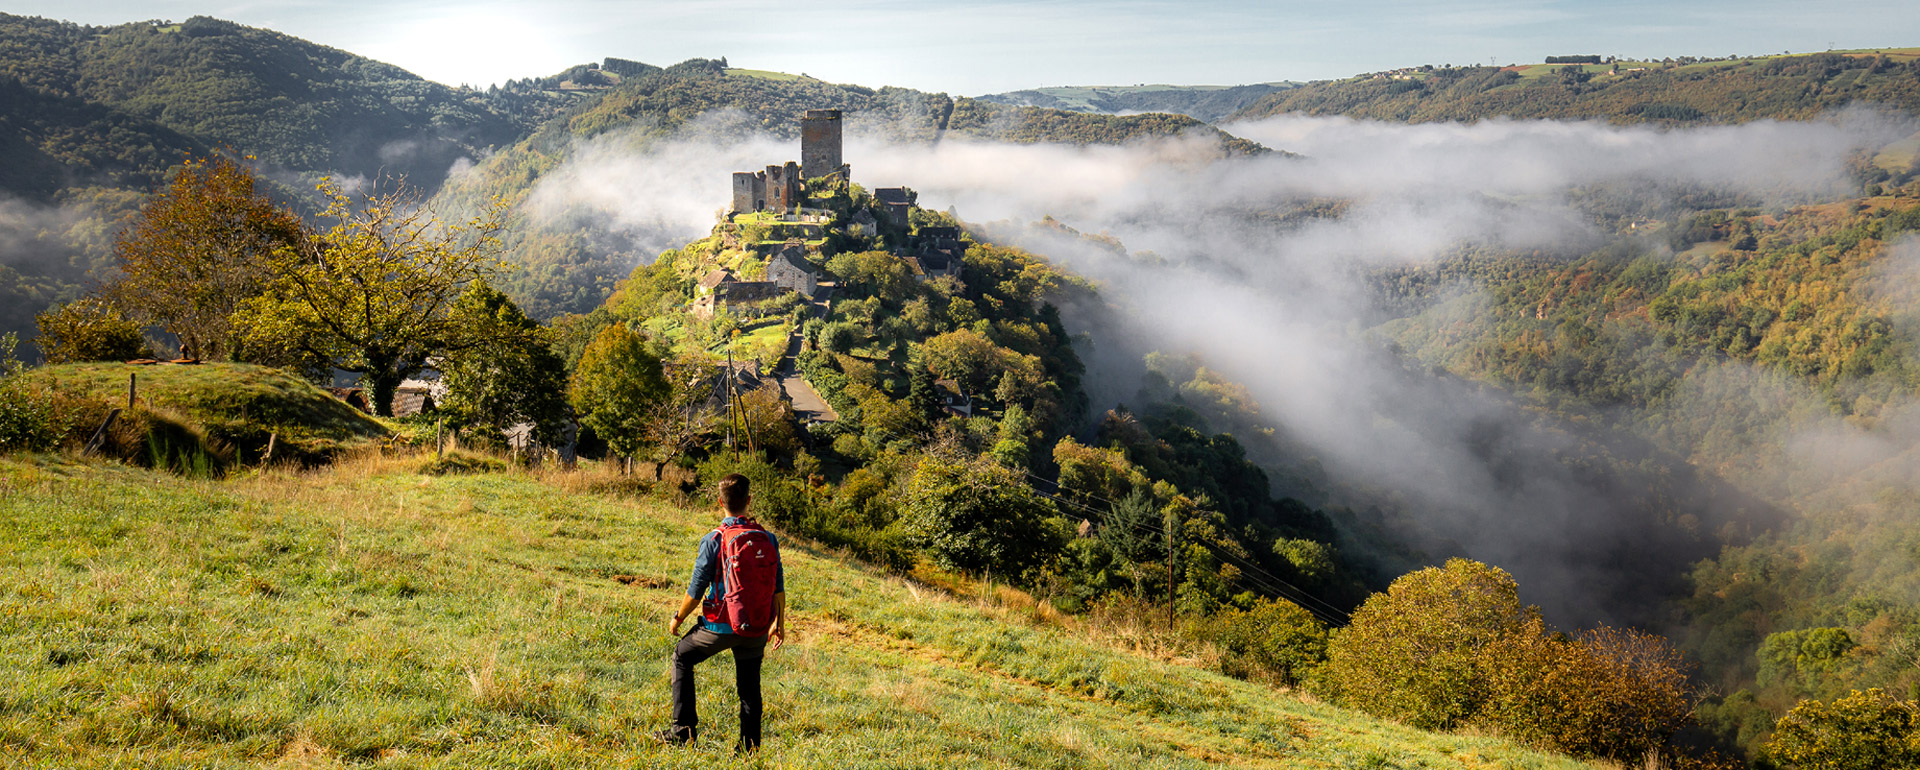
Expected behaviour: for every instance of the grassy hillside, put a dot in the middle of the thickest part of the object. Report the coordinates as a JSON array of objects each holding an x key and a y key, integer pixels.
[
  {"x": 1208, "y": 103},
  {"x": 367, "y": 614},
  {"x": 1670, "y": 92},
  {"x": 239, "y": 405}
]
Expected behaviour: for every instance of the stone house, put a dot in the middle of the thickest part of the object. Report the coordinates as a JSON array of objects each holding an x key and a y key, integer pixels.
[
  {"x": 940, "y": 253},
  {"x": 733, "y": 294},
  {"x": 789, "y": 269},
  {"x": 952, "y": 399},
  {"x": 895, "y": 202},
  {"x": 712, "y": 281}
]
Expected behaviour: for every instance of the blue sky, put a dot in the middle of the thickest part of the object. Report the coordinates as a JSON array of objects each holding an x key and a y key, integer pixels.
[{"x": 982, "y": 46}]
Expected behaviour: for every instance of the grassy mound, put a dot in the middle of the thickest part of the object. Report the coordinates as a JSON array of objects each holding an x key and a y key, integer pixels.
[
  {"x": 365, "y": 613},
  {"x": 239, "y": 407}
]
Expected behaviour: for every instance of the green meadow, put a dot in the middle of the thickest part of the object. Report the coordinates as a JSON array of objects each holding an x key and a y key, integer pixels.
[{"x": 367, "y": 615}]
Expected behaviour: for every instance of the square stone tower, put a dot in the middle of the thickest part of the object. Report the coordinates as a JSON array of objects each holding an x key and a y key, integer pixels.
[{"x": 820, "y": 143}]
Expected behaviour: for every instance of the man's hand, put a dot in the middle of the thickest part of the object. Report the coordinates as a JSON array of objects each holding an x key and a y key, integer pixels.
[
  {"x": 779, "y": 632},
  {"x": 687, "y": 606}
]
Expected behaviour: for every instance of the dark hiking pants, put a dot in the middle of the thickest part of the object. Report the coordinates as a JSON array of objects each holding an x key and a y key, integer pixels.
[{"x": 701, "y": 644}]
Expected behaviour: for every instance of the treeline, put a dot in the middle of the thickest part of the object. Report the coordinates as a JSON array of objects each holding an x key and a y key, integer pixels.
[
  {"x": 1732, "y": 336},
  {"x": 1199, "y": 102},
  {"x": 1029, "y": 125},
  {"x": 1620, "y": 326},
  {"x": 1782, "y": 88}
]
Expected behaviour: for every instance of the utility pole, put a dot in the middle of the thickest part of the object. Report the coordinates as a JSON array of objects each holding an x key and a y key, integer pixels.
[
  {"x": 1173, "y": 526},
  {"x": 732, "y": 443}
]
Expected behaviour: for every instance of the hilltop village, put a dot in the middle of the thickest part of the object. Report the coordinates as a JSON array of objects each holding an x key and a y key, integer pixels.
[
  {"x": 793, "y": 277},
  {"x": 781, "y": 219}
]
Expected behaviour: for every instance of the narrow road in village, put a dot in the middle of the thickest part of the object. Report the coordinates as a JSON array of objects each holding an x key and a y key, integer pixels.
[{"x": 807, "y": 403}]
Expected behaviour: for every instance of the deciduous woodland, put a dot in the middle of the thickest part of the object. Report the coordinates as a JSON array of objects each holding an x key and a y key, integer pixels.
[{"x": 1100, "y": 440}]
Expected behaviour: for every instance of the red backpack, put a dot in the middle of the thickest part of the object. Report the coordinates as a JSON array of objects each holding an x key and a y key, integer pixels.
[{"x": 750, "y": 569}]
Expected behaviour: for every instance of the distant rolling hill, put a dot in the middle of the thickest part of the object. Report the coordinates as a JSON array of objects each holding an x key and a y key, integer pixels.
[
  {"x": 294, "y": 104},
  {"x": 1684, "y": 91},
  {"x": 1208, "y": 103},
  {"x": 91, "y": 117}
]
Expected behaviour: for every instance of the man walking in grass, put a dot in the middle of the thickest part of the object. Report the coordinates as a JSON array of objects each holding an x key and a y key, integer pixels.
[{"x": 737, "y": 572}]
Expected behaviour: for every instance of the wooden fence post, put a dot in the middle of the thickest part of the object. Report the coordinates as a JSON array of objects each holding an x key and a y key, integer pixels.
[{"x": 100, "y": 433}]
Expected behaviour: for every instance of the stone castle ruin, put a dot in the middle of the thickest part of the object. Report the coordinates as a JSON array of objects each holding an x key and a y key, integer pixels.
[
  {"x": 820, "y": 144},
  {"x": 782, "y": 187}
]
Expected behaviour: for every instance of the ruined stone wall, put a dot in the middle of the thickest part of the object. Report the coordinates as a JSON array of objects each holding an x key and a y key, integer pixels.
[
  {"x": 749, "y": 191},
  {"x": 820, "y": 143},
  {"x": 784, "y": 187}
]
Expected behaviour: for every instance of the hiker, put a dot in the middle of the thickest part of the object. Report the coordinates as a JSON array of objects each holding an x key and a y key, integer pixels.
[{"x": 737, "y": 572}]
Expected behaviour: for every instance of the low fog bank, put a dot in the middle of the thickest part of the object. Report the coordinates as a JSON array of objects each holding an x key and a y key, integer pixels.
[
  {"x": 1260, "y": 266},
  {"x": 50, "y": 254}
]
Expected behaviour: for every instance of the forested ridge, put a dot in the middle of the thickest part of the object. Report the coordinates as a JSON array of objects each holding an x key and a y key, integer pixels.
[
  {"x": 89, "y": 112},
  {"x": 1736, "y": 339},
  {"x": 1671, "y": 92},
  {"x": 1208, "y": 103}
]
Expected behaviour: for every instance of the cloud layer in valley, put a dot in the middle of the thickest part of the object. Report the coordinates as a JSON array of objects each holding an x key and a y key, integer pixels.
[{"x": 1272, "y": 300}]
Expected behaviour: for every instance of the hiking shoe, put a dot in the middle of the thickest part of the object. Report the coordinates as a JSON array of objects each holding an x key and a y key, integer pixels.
[{"x": 675, "y": 736}]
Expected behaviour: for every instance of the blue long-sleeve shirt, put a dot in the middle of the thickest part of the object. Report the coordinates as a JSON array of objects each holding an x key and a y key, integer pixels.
[{"x": 707, "y": 580}]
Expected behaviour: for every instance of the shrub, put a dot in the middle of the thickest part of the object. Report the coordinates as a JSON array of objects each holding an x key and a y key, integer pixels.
[
  {"x": 1862, "y": 731},
  {"x": 1414, "y": 652},
  {"x": 1274, "y": 639},
  {"x": 88, "y": 329},
  {"x": 29, "y": 419},
  {"x": 1617, "y": 694},
  {"x": 979, "y": 516},
  {"x": 789, "y": 504}
]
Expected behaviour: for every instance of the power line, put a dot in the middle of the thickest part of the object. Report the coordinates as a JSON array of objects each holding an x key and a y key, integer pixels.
[
  {"x": 1215, "y": 549},
  {"x": 1251, "y": 573}
]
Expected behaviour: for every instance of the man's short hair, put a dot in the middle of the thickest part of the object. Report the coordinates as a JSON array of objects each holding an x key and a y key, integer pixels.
[{"x": 734, "y": 490}]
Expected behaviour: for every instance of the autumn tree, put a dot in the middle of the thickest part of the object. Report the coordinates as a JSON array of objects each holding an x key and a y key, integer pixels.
[
  {"x": 374, "y": 293},
  {"x": 202, "y": 248},
  {"x": 511, "y": 375},
  {"x": 965, "y": 356},
  {"x": 88, "y": 329},
  {"x": 1613, "y": 693},
  {"x": 619, "y": 384}
]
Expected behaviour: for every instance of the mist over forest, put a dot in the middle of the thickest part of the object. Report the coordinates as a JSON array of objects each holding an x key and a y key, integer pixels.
[
  {"x": 1227, "y": 259},
  {"x": 1237, "y": 386}
]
